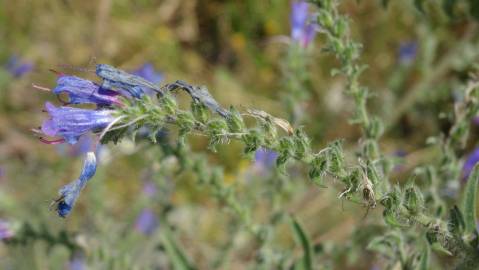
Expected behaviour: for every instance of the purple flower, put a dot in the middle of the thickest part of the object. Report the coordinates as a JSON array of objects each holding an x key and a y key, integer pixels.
[
  {"x": 265, "y": 158},
  {"x": 303, "y": 30},
  {"x": 146, "y": 222},
  {"x": 70, "y": 192},
  {"x": 71, "y": 123},
  {"x": 471, "y": 160},
  {"x": 147, "y": 71},
  {"x": 407, "y": 52},
  {"x": 17, "y": 67},
  {"x": 81, "y": 91},
  {"x": 6, "y": 230}
]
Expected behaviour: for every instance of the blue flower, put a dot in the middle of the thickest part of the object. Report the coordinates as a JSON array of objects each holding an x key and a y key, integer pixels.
[
  {"x": 146, "y": 222},
  {"x": 471, "y": 160},
  {"x": 407, "y": 52},
  {"x": 81, "y": 91},
  {"x": 71, "y": 123},
  {"x": 17, "y": 67},
  {"x": 265, "y": 158},
  {"x": 303, "y": 30},
  {"x": 147, "y": 71},
  {"x": 70, "y": 192}
]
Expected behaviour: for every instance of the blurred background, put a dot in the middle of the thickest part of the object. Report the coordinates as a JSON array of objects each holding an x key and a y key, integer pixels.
[{"x": 239, "y": 50}]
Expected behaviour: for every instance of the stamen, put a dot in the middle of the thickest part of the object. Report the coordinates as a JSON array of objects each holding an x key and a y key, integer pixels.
[
  {"x": 45, "y": 141},
  {"x": 59, "y": 74},
  {"x": 41, "y": 88}
]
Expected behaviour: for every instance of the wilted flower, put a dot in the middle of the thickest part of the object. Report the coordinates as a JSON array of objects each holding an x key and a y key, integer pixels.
[
  {"x": 471, "y": 160},
  {"x": 71, "y": 123},
  {"x": 6, "y": 230},
  {"x": 17, "y": 67},
  {"x": 81, "y": 91},
  {"x": 407, "y": 52},
  {"x": 146, "y": 222},
  {"x": 70, "y": 192},
  {"x": 147, "y": 71},
  {"x": 265, "y": 158},
  {"x": 303, "y": 30}
]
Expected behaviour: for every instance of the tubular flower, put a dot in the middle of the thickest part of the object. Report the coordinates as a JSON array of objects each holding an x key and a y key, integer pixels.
[
  {"x": 303, "y": 30},
  {"x": 70, "y": 192},
  {"x": 81, "y": 91},
  {"x": 71, "y": 123}
]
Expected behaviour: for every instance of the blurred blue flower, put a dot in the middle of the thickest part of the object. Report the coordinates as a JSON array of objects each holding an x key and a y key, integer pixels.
[
  {"x": 407, "y": 52},
  {"x": 147, "y": 71},
  {"x": 265, "y": 158},
  {"x": 77, "y": 262},
  {"x": 71, "y": 123},
  {"x": 85, "y": 144},
  {"x": 471, "y": 160},
  {"x": 6, "y": 230},
  {"x": 81, "y": 91},
  {"x": 147, "y": 222},
  {"x": 18, "y": 67},
  {"x": 303, "y": 30},
  {"x": 70, "y": 192}
]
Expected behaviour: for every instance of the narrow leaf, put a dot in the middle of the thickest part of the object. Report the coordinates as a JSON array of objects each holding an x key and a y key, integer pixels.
[
  {"x": 474, "y": 9},
  {"x": 470, "y": 201},
  {"x": 302, "y": 238},
  {"x": 177, "y": 256},
  {"x": 424, "y": 261}
]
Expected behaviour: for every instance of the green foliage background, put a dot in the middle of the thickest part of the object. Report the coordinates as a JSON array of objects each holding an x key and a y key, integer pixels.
[{"x": 237, "y": 49}]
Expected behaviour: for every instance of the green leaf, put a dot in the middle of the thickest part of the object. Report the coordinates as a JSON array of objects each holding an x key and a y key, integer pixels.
[
  {"x": 175, "y": 254},
  {"x": 385, "y": 3},
  {"x": 424, "y": 259},
  {"x": 306, "y": 263},
  {"x": 474, "y": 9},
  {"x": 470, "y": 201},
  {"x": 419, "y": 4},
  {"x": 448, "y": 6}
]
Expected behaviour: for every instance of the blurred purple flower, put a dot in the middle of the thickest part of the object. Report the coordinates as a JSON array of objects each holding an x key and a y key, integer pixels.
[
  {"x": 475, "y": 120},
  {"x": 265, "y": 158},
  {"x": 77, "y": 262},
  {"x": 147, "y": 222},
  {"x": 147, "y": 71},
  {"x": 85, "y": 144},
  {"x": 471, "y": 160},
  {"x": 81, "y": 91},
  {"x": 6, "y": 230},
  {"x": 71, "y": 123},
  {"x": 18, "y": 67},
  {"x": 303, "y": 30},
  {"x": 149, "y": 189},
  {"x": 70, "y": 192},
  {"x": 407, "y": 52}
]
